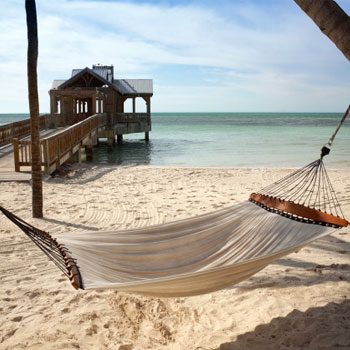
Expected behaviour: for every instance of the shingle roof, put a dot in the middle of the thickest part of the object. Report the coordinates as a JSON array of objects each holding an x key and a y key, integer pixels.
[
  {"x": 76, "y": 73},
  {"x": 105, "y": 72},
  {"x": 134, "y": 86}
]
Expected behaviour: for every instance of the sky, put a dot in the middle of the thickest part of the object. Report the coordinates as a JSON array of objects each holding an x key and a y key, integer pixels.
[{"x": 203, "y": 56}]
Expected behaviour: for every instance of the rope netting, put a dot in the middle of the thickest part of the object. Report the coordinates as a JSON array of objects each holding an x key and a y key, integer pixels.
[
  {"x": 56, "y": 252},
  {"x": 306, "y": 193},
  {"x": 309, "y": 186}
]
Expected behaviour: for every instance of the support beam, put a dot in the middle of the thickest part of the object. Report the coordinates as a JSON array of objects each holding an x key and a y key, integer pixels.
[
  {"x": 16, "y": 154},
  {"x": 93, "y": 107},
  {"x": 75, "y": 158},
  {"x": 148, "y": 104},
  {"x": 53, "y": 103},
  {"x": 99, "y": 105},
  {"x": 89, "y": 153}
]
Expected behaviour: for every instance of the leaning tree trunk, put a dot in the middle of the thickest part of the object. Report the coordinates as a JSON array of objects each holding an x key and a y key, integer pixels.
[
  {"x": 32, "y": 59},
  {"x": 331, "y": 20}
]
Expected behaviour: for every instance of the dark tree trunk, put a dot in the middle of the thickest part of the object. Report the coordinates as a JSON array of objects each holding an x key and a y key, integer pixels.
[
  {"x": 32, "y": 59},
  {"x": 331, "y": 20}
]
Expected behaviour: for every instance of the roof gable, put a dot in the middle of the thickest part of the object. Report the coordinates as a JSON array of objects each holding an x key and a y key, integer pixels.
[{"x": 85, "y": 78}]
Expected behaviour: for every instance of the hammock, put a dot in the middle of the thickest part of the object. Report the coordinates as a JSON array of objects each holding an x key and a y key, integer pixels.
[{"x": 205, "y": 253}]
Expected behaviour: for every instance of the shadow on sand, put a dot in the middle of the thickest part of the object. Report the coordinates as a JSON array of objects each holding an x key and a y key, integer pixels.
[
  {"x": 321, "y": 328},
  {"x": 70, "y": 225}
]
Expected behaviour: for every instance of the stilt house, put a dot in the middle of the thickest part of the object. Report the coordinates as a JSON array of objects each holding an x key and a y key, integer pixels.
[{"x": 95, "y": 90}]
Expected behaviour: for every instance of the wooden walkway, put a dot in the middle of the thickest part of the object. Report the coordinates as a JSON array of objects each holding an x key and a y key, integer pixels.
[
  {"x": 7, "y": 162},
  {"x": 57, "y": 147},
  {"x": 63, "y": 145},
  {"x": 12, "y": 176}
]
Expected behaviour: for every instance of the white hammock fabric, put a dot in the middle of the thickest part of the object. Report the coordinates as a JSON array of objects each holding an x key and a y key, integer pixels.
[{"x": 188, "y": 257}]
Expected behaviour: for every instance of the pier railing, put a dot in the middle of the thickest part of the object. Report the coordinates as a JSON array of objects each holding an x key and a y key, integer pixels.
[
  {"x": 58, "y": 148},
  {"x": 21, "y": 129},
  {"x": 114, "y": 118},
  {"x": 61, "y": 146}
]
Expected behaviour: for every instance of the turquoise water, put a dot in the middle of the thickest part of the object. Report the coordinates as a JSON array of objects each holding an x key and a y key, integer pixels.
[
  {"x": 233, "y": 140},
  {"x": 10, "y": 118}
]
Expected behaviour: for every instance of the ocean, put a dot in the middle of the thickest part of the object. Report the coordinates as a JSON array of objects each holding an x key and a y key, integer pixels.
[{"x": 249, "y": 140}]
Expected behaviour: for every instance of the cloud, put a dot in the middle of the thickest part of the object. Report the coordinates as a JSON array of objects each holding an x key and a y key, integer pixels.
[{"x": 242, "y": 55}]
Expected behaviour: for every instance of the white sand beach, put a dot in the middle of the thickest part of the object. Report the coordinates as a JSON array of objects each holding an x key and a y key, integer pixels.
[{"x": 301, "y": 301}]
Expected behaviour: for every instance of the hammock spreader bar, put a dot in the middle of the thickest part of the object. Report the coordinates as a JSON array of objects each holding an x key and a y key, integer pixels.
[
  {"x": 305, "y": 194},
  {"x": 57, "y": 253},
  {"x": 298, "y": 210}
]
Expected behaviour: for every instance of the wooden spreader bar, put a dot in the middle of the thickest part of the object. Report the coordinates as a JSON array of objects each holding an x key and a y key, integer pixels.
[
  {"x": 298, "y": 210},
  {"x": 49, "y": 245},
  {"x": 74, "y": 274}
]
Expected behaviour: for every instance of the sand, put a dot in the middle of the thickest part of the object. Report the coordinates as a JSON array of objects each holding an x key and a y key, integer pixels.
[{"x": 300, "y": 302}]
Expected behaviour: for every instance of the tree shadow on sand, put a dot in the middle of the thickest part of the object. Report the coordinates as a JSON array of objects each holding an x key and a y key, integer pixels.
[
  {"x": 321, "y": 328},
  {"x": 80, "y": 174}
]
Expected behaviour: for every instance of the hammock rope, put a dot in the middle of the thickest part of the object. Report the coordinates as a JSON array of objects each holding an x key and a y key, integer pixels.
[
  {"x": 57, "y": 253},
  {"x": 204, "y": 253},
  {"x": 306, "y": 194}
]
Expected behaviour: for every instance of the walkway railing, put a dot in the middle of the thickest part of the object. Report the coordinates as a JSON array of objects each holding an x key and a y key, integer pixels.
[
  {"x": 56, "y": 149},
  {"x": 128, "y": 117},
  {"x": 20, "y": 129}
]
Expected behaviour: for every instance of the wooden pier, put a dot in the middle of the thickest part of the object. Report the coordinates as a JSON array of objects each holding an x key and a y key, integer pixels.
[
  {"x": 84, "y": 108},
  {"x": 21, "y": 130},
  {"x": 65, "y": 144}
]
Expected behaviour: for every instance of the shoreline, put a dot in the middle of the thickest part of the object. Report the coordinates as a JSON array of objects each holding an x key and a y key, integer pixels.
[
  {"x": 300, "y": 301},
  {"x": 92, "y": 164}
]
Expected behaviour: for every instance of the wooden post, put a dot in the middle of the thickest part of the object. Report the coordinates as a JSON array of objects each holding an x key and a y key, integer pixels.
[
  {"x": 53, "y": 110},
  {"x": 93, "y": 106},
  {"x": 148, "y": 104},
  {"x": 53, "y": 103},
  {"x": 89, "y": 154},
  {"x": 70, "y": 111},
  {"x": 89, "y": 106},
  {"x": 75, "y": 158},
  {"x": 46, "y": 157},
  {"x": 119, "y": 139},
  {"x": 16, "y": 154}
]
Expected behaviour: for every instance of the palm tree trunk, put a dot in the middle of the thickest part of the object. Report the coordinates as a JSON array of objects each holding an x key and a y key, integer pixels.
[
  {"x": 331, "y": 20},
  {"x": 32, "y": 59}
]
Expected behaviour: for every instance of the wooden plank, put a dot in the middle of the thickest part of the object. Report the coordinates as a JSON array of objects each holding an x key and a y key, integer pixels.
[{"x": 9, "y": 176}]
